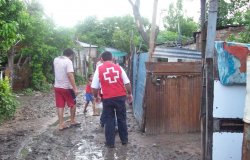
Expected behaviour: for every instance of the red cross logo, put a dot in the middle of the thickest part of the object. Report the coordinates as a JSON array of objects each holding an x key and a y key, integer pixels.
[{"x": 111, "y": 75}]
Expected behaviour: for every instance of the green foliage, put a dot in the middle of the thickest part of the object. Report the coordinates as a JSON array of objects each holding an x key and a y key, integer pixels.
[
  {"x": 79, "y": 80},
  {"x": 8, "y": 103},
  {"x": 38, "y": 81},
  {"x": 168, "y": 36},
  {"x": 12, "y": 16},
  {"x": 48, "y": 43},
  {"x": 90, "y": 67},
  {"x": 28, "y": 91},
  {"x": 243, "y": 37},
  {"x": 177, "y": 26},
  {"x": 116, "y": 32},
  {"x": 231, "y": 12},
  {"x": 188, "y": 26},
  {"x": 175, "y": 21}
]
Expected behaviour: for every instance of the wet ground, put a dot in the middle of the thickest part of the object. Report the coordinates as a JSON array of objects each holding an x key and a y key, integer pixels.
[{"x": 33, "y": 134}]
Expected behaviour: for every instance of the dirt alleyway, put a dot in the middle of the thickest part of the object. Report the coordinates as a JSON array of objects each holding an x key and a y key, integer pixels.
[{"x": 27, "y": 139}]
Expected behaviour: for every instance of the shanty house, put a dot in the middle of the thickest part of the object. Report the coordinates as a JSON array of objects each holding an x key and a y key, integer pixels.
[{"x": 85, "y": 53}]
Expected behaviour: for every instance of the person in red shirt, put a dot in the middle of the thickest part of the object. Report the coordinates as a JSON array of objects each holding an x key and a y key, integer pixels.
[
  {"x": 116, "y": 89},
  {"x": 89, "y": 96}
]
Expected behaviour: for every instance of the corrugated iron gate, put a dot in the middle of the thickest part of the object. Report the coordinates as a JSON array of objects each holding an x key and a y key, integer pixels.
[
  {"x": 172, "y": 97},
  {"x": 139, "y": 82}
]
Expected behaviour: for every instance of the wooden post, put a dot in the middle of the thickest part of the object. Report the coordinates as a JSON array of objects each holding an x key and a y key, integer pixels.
[
  {"x": 209, "y": 55},
  {"x": 89, "y": 62},
  {"x": 246, "y": 118},
  {"x": 209, "y": 108},
  {"x": 10, "y": 56},
  {"x": 203, "y": 100},
  {"x": 80, "y": 63},
  {"x": 246, "y": 142},
  {"x": 152, "y": 33}
]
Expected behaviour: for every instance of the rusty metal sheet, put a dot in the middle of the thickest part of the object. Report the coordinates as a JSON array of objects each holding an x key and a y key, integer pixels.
[
  {"x": 173, "y": 100},
  {"x": 174, "y": 67}
]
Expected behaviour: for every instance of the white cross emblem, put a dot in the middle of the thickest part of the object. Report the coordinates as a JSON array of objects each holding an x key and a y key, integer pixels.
[{"x": 111, "y": 75}]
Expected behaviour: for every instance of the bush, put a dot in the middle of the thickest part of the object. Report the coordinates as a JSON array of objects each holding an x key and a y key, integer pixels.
[
  {"x": 79, "y": 79},
  {"x": 8, "y": 102},
  {"x": 28, "y": 91},
  {"x": 39, "y": 81}
]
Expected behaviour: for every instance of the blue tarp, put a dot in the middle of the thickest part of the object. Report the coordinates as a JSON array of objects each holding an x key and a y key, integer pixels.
[{"x": 139, "y": 83}]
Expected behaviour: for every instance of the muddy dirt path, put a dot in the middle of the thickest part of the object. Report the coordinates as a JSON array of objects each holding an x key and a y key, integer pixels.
[{"x": 32, "y": 134}]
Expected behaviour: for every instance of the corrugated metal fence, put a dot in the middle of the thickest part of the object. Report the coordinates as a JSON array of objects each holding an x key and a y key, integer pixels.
[
  {"x": 172, "y": 98},
  {"x": 167, "y": 95},
  {"x": 139, "y": 81}
]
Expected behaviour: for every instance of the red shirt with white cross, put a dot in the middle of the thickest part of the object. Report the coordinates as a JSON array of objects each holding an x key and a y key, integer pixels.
[{"x": 111, "y": 80}]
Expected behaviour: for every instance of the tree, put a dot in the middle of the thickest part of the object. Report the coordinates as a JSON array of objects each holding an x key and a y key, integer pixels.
[
  {"x": 90, "y": 31},
  {"x": 140, "y": 22},
  {"x": 231, "y": 12},
  {"x": 13, "y": 15},
  {"x": 41, "y": 49},
  {"x": 244, "y": 36},
  {"x": 124, "y": 32},
  {"x": 175, "y": 21},
  {"x": 113, "y": 32}
]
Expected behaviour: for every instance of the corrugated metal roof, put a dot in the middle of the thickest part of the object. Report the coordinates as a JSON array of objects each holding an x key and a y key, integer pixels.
[
  {"x": 86, "y": 45},
  {"x": 176, "y": 53},
  {"x": 115, "y": 52}
]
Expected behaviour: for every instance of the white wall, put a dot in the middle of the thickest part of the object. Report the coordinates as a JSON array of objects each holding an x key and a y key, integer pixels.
[
  {"x": 227, "y": 146},
  {"x": 229, "y": 101}
]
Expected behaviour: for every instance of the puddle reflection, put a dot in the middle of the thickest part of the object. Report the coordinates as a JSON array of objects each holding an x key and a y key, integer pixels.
[
  {"x": 89, "y": 151},
  {"x": 115, "y": 154},
  {"x": 86, "y": 150}
]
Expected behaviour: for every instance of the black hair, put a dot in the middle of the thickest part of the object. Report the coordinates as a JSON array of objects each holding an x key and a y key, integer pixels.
[
  {"x": 89, "y": 75},
  {"x": 106, "y": 56},
  {"x": 68, "y": 52}
]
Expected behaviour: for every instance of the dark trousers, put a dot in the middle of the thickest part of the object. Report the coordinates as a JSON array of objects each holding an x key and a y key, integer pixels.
[
  {"x": 102, "y": 120},
  {"x": 112, "y": 106}
]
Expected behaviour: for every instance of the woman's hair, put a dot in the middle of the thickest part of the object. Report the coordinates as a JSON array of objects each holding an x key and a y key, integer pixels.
[{"x": 106, "y": 56}]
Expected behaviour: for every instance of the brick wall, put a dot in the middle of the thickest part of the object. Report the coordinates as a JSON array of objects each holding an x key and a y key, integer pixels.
[{"x": 221, "y": 35}]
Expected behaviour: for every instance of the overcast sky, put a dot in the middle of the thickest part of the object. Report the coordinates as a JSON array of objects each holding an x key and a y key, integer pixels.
[{"x": 68, "y": 12}]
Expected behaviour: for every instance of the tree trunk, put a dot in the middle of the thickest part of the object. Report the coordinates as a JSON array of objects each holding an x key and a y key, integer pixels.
[
  {"x": 153, "y": 32},
  {"x": 139, "y": 22},
  {"x": 10, "y": 56},
  {"x": 19, "y": 61}
]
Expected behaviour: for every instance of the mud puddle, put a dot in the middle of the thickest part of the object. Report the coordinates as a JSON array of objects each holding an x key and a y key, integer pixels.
[{"x": 33, "y": 134}]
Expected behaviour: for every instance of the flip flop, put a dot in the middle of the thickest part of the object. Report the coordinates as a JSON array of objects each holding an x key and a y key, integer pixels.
[
  {"x": 62, "y": 129},
  {"x": 77, "y": 124}
]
